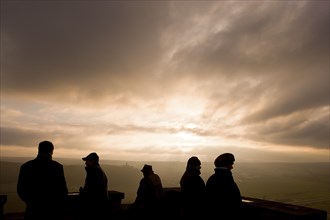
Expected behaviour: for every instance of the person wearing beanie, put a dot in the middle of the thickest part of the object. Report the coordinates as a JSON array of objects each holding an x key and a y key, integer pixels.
[
  {"x": 192, "y": 190},
  {"x": 223, "y": 195}
]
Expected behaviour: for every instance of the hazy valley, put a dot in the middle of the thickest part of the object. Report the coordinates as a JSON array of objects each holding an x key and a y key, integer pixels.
[{"x": 306, "y": 184}]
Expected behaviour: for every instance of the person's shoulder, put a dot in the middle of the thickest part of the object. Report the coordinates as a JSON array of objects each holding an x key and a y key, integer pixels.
[
  {"x": 213, "y": 176},
  {"x": 188, "y": 175},
  {"x": 155, "y": 174},
  {"x": 56, "y": 163},
  {"x": 28, "y": 163},
  {"x": 98, "y": 168}
]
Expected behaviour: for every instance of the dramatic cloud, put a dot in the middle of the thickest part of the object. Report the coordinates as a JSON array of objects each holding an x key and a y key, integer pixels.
[{"x": 166, "y": 79}]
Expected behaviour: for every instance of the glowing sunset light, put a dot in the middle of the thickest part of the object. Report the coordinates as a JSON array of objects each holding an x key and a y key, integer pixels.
[{"x": 166, "y": 80}]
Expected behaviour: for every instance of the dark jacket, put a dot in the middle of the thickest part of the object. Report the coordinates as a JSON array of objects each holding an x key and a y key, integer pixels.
[
  {"x": 223, "y": 195},
  {"x": 94, "y": 194},
  {"x": 42, "y": 186},
  {"x": 96, "y": 184},
  {"x": 150, "y": 192},
  {"x": 192, "y": 193}
]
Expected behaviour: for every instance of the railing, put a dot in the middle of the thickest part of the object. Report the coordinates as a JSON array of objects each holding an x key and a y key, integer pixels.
[
  {"x": 259, "y": 209},
  {"x": 256, "y": 209}
]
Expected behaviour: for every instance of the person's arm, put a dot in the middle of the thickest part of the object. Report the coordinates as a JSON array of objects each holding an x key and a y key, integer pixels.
[
  {"x": 62, "y": 181},
  {"x": 22, "y": 184}
]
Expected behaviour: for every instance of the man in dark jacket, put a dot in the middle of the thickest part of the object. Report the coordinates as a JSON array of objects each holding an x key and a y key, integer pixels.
[
  {"x": 42, "y": 186},
  {"x": 223, "y": 194},
  {"x": 192, "y": 190},
  {"x": 94, "y": 194}
]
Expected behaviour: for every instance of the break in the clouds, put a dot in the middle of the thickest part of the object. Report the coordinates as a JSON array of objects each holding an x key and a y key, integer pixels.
[{"x": 166, "y": 79}]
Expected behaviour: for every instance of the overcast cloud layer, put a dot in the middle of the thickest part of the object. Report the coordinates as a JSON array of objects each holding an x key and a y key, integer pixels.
[{"x": 158, "y": 80}]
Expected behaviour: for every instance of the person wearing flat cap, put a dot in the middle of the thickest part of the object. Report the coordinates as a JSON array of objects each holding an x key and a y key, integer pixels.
[
  {"x": 94, "y": 193},
  {"x": 223, "y": 194},
  {"x": 150, "y": 194}
]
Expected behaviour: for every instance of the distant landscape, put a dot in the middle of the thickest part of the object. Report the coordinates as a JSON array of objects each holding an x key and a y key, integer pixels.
[{"x": 306, "y": 184}]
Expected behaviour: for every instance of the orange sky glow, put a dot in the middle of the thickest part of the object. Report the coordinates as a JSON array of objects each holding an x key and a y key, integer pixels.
[{"x": 166, "y": 80}]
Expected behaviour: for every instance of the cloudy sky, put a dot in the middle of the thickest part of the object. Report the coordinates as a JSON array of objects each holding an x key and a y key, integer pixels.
[{"x": 165, "y": 80}]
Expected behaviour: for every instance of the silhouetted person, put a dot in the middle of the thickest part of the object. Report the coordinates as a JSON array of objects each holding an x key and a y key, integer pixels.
[
  {"x": 150, "y": 195},
  {"x": 42, "y": 186},
  {"x": 192, "y": 190},
  {"x": 223, "y": 195},
  {"x": 94, "y": 193}
]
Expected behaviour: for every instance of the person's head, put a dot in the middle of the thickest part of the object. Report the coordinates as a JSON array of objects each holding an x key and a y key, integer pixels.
[
  {"x": 194, "y": 164},
  {"x": 225, "y": 160},
  {"x": 91, "y": 159},
  {"x": 193, "y": 161},
  {"x": 46, "y": 147},
  {"x": 147, "y": 169}
]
